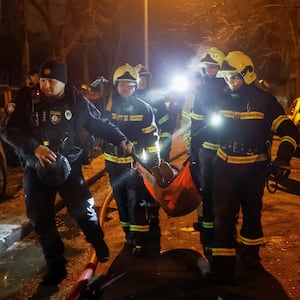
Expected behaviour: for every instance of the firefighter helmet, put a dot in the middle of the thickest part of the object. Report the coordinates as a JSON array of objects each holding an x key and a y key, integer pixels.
[
  {"x": 238, "y": 62},
  {"x": 56, "y": 173},
  {"x": 126, "y": 73},
  {"x": 212, "y": 56}
]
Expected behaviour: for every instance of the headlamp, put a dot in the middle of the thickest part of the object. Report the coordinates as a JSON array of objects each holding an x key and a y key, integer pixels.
[
  {"x": 215, "y": 120},
  {"x": 179, "y": 84}
]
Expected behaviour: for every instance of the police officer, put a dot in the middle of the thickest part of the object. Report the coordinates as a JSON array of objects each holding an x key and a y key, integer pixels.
[
  {"x": 204, "y": 140},
  {"x": 42, "y": 130},
  {"x": 136, "y": 119},
  {"x": 250, "y": 116}
]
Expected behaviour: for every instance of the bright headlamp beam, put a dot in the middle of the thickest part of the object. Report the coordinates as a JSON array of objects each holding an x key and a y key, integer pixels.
[
  {"x": 180, "y": 84},
  {"x": 215, "y": 120}
]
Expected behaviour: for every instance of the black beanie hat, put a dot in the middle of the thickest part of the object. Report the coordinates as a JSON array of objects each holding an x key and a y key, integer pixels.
[{"x": 54, "y": 69}]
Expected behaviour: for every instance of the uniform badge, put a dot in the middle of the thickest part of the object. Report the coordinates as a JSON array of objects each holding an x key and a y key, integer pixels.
[
  {"x": 55, "y": 117},
  {"x": 47, "y": 71},
  {"x": 10, "y": 108},
  {"x": 68, "y": 115}
]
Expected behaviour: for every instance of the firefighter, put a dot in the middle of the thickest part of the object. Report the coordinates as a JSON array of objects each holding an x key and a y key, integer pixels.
[
  {"x": 43, "y": 131},
  {"x": 163, "y": 115},
  {"x": 204, "y": 141},
  {"x": 135, "y": 118},
  {"x": 250, "y": 116},
  {"x": 161, "y": 118}
]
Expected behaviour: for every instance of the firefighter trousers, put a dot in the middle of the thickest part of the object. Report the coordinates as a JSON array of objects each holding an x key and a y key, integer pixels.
[
  {"x": 236, "y": 187},
  {"x": 206, "y": 159},
  {"x": 130, "y": 194}
]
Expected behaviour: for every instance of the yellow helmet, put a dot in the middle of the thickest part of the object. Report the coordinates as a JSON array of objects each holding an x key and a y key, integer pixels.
[
  {"x": 239, "y": 62},
  {"x": 212, "y": 56},
  {"x": 126, "y": 73}
]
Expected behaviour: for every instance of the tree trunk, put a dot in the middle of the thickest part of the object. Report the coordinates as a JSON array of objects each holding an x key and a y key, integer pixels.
[{"x": 24, "y": 40}]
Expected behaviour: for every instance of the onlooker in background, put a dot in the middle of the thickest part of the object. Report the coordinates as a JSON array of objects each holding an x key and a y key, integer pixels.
[
  {"x": 29, "y": 90},
  {"x": 250, "y": 116},
  {"x": 43, "y": 132},
  {"x": 136, "y": 119},
  {"x": 204, "y": 139},
  {"x": 33, "y": 80}
]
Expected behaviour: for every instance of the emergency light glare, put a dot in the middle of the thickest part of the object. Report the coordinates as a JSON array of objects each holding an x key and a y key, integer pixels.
[
  {"x": 215, "y": 120},
  {"x": 180, "y": 84}
]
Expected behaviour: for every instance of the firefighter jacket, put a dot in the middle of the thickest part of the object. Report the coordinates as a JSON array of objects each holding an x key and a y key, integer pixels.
[
  {"x": 54, "y": 123},
  {"x": 136, "y": 118},
  {"x": 163, "y": 119},
  {"x": 250, "y": 117},
  {"x": 206, "y": 105}
]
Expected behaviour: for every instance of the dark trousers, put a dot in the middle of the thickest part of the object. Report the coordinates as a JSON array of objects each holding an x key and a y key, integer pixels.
[
  {"x": 40, "y": 208},
  {"x": 235, "y": 187},
  {"x": 206, "y": 159},
  {"x": 131, "y": 197}
]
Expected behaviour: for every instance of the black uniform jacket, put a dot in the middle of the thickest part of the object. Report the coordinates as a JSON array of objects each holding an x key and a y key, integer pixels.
[
  {"x": 206, "y": 105},
  {"x": 55, "y": 123},
  {"x": 163, "y": 118},
  {"x": 136, "y": 119},
  {"x": 250, "y": 117}
]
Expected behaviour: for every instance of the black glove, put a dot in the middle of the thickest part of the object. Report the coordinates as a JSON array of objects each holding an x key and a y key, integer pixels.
[{"x": 280, "y": 169}]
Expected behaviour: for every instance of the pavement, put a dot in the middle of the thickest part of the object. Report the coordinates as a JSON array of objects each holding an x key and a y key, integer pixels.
[{"x": 14, "y": 224}]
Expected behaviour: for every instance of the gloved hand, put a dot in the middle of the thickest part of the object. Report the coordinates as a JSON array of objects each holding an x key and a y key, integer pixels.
[
  {"x": 280, "y": 169},
  {"x": 127, "y": 146}
]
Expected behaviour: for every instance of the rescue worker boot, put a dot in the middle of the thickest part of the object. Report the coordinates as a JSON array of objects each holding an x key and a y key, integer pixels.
[
  {"x": 206, "y": 238},
  {"x": 221, "y": 270},
  {"x": 129, "y": 243},
  {"x": 207, "y": 251},
  {"x": 139, "y": 243},
  {"x": 248, "y": 256},
  {"x": 56, "y": 272},
  {"x": 152, "y": 242}
]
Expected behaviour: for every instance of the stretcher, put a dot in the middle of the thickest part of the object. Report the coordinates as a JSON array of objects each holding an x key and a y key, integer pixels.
[{"x": 172, "y": 187}]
